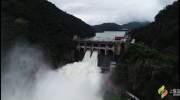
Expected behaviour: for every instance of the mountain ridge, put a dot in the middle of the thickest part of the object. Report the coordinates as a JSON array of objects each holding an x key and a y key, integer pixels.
[
  {"x": 116, "y": 27},
  {"x": 41, "y": 23}
]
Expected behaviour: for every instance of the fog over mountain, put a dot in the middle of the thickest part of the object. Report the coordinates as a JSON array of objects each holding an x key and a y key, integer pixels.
[{"x": 118, "y": 11}]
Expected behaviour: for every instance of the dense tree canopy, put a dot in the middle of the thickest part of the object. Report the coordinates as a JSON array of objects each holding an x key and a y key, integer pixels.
[
  {"x": 163, "y": 33},
  {"x": 153, "y": 60}
]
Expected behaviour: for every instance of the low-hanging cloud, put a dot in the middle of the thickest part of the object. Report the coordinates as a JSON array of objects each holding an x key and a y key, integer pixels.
[{"x": 119, "y": 11}]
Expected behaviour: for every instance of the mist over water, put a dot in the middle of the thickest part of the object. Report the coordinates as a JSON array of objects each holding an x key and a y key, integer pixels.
[{"x": 28, "y": 77}]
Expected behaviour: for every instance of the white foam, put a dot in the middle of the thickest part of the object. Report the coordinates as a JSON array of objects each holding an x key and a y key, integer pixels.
[{"x": 76, "y": 81}]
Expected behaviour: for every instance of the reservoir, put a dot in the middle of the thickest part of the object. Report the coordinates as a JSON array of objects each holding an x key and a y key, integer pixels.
[{"x": 107, "y": 36}]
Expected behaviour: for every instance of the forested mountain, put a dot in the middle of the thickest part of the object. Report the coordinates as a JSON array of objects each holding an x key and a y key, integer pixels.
[
  {"x": 115, "y": 27},
  {"x": 153, "y": 60},
  {"x": 163, "y": 33},
  {"x": 42, "y": 23},
  {"x": 133, "y": 25},
  {"x": 107, "y": 27}
]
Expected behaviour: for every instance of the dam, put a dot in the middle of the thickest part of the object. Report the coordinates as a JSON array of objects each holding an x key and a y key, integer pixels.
[{"x": 108, "y": 44}]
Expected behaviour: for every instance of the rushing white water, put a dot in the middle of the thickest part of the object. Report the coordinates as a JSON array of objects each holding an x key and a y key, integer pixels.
[
  {"x": 87, "y": 56},
  {"x": 28, "y": 79},
  {"x": 76, "y": 81}
]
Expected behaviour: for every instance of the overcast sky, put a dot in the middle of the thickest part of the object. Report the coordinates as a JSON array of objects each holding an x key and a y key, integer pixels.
[{"x": 118, "y": 11}]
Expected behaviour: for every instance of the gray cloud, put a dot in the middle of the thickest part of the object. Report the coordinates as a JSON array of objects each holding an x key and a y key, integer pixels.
[{"x": 119, "y": 11}]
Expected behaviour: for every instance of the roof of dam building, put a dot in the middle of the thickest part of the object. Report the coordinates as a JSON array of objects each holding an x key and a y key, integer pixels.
[{"x": 107, "y": 36}]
